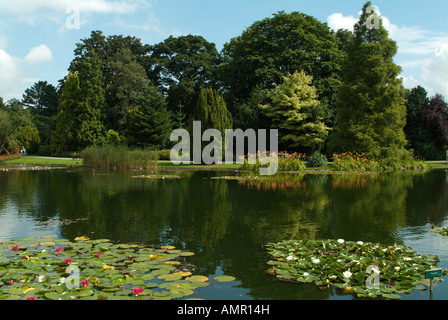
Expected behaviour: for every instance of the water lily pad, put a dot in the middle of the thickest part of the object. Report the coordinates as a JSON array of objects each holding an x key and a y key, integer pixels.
[
  {"x": 224, "y": 278},
  {"x": 105, "y": 270},
  {"x": 348, "y": 265}
]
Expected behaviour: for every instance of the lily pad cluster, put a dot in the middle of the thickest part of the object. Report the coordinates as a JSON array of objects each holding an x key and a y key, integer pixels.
[
  {"x": 442, "y": 231},
  {"x": 59, "y": 269},
  {"x": 369, "y": 270}
]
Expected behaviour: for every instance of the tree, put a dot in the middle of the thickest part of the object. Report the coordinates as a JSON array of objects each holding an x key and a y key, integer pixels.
[
  {"x": 64, "y": 137},
  {"x": 91, "y": 115},
  {"x": 277, "y": 46},
  {"x": 41, "y": 99},
  {"x": 211, "y": 110},
  {"x": 295, "y": 111},
  {"x": 129, "y": 86},
  {"x": 149, "y": 123},
  {"x": 436, "y": 116},
  {"x": 370, "y": 107},
  {"x": 181, "y": 67},
  {"x": 417, "y": 130}
]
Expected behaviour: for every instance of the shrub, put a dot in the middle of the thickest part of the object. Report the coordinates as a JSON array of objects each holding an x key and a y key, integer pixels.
[{"x": 317, "y": 159}]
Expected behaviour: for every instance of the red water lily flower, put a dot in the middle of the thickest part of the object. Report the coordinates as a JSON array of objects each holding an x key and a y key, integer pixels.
[
  {"x": 15, "y": 248},
  {"x": 58, "y": 249},
  {"x": 68, "y": 260},
  {"x": 31, "y": 298},
  {"x": 98, "y": 255},
  {"x": 85, "y": 283},
  {"x": 137, "y": 291}
]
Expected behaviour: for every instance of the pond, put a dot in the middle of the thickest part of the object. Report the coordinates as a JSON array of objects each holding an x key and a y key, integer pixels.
[{"x": 228, "y": 222}]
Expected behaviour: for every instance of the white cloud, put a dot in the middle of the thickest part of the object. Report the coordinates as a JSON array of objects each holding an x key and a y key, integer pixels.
[
  {"x": 38, "y": 54},
  {"x": 10, "y": 75},
  {"x": 338, "y": 21},
  {"x": 434, "y": 72}
]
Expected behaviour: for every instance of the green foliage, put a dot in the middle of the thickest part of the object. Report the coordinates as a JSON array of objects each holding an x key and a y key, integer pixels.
[
  {"x": 417, "y": 131},
  {"x": 149, "y": 125},
  {"x": 126, "y": 91},
  {"x": 211, "y": 110},
  {"x": 180, "y": 67},
  {"x": 28, "y": 137},
  {"x": 64, "y": 138},
  {"x": 371, "y": 108},
  {"x": 294, "y": 110},
  {"x": 277, "y": 46},
  {"x": 355, "y": 162},
  {"x": 316, "y": 159}
]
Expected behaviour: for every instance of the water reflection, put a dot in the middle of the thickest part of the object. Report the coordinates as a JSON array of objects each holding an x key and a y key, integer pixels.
[{"x": 226, "y": 221}]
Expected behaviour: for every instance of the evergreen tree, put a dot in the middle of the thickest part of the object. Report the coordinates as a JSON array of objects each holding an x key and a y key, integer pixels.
[
  {"x": 91, "y": 113},
  {"x": 129, "y": 86},
  {"x": 371, "y": 106},
  {"x": 211, "y": 110},
  {"x": 63, "y": 138},
  {"x": 149, "y": 123},
  {"x": 417, "y": 130},
  {"x": 295, "y": 111},
  {"x": 80, "y": 122}
]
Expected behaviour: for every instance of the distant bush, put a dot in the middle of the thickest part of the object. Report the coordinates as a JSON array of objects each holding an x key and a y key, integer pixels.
[
  {"x": 286, "y": 162},
  {"x": 317, "y": 159},
  {"x": 352, "y": 161},
  {"x": 120, "y": 157}
]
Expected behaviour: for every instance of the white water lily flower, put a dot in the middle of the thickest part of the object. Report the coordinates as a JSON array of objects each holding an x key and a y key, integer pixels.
[
  {"x": 41, "y": 278},
  {"x": 289, "y": 258},
  {"x": 407, "y": 259},
  {"x": 347, "y": 274},
  {"x": 360, "y": 243},
  {"x": 397, "y": 269},
  {"x": 306, "y": 274},
  {"x": 341, "y": 241},
  {"x": 315, "y": 261}
]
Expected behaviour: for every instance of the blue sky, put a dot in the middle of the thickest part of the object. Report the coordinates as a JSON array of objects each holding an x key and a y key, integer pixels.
[{"x": 36, "y": 43}]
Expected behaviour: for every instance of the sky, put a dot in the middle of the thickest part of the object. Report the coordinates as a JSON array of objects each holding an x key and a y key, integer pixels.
[{"x": 38, "y": 37}]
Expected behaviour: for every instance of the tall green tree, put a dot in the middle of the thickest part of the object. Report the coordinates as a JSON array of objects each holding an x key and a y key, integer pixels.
[
  {"x": 92, "y": 113},
  {"x": 277, "y": 46},
  {"x": 371, "y": 107},
  {"x": 211, "y": 110},
  {"x": 181, "y": 67},
  {"x": 42, "y": 99},
  {"x": 435, "y": 115},
  {"x": 128, "y": 88},
  {"x": 295, "y": 111},
  {"x": 149, "y": 124},
  {"x": 80, "y": 121},
  {"x": 417, "y": 130},
  {"x": 63, "y": 138}
]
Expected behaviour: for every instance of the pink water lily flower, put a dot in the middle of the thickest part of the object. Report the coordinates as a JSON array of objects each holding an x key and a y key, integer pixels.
[
  {"x": 15, "y": 248},
  {"x": 31, "y": 298},
  {"x": 137, "y": 291},
  {"x": 68, "y": 260},
  {"x": 98, "y": 255},
  {"x": 85, "y": 283},
  {"x": 58, "y": 249}
]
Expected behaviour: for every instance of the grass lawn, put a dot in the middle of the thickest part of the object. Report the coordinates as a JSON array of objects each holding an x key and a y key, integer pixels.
[{"x": 31, "y": 160}]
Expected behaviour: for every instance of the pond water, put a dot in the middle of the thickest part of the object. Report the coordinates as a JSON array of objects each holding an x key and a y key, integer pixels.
[{"x": 228, "y": 222}]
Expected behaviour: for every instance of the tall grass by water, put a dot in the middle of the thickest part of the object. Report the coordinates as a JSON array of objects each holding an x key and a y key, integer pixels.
[{"x": 120, "y": 157}]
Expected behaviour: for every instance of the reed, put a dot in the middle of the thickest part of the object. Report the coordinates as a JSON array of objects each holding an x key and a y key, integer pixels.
[{"x": 120, "y": 157}]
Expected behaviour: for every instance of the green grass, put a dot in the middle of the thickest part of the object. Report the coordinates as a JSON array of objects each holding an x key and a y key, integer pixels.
[{"x": 34, "y": 160}]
